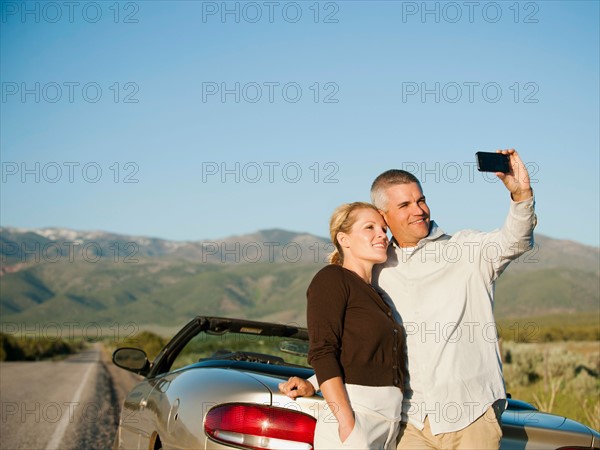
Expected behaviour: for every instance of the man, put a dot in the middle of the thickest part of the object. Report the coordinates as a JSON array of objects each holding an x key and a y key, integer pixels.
[{"x": 443, "y": 290}]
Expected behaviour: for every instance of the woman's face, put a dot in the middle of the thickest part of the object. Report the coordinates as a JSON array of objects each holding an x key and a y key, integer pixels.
[{"x": 367, "y": 239}]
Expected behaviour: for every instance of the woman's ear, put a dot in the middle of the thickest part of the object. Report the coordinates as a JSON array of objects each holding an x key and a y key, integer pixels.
[{"x": 343, "y": 239}]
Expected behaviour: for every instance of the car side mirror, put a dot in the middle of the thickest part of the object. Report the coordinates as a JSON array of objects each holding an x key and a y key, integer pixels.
[{"x": 132, "y": 359}]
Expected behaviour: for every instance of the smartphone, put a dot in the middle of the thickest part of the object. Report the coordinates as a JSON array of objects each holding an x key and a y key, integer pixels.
[{"x": 492, "y": 162}]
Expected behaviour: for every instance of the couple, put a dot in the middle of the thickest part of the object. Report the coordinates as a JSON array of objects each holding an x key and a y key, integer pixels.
[{"x": 402, "y": 336}]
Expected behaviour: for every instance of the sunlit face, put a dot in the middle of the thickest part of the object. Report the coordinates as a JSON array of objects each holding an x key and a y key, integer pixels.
[
  {"x": 407, "y": 214},
  {"x": 367, "y": 240}
]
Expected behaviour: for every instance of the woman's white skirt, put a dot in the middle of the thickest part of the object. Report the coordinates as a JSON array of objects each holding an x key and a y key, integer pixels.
[{"x": 377, "y": 412}]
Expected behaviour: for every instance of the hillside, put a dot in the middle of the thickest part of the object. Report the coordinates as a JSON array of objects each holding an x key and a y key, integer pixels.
[{"x": 64, "y": 275}]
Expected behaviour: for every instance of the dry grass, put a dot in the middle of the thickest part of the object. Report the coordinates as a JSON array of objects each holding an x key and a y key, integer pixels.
[{"x": 561, "y": 378}]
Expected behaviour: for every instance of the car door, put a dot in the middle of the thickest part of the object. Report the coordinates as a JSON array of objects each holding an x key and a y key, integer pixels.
[{"x": 135, "y": 425}]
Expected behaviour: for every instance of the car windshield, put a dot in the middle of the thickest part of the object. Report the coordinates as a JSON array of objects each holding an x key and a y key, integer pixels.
[{"x": 243, "y": 347}]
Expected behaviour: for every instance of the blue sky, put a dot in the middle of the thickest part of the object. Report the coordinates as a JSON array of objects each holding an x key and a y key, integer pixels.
[{"x": 196, "y": 120}]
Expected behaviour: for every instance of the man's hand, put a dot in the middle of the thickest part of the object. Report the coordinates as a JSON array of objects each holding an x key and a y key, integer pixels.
[
  {"x": 517, "y": 180},
  {"x": 297, "y": 387}
]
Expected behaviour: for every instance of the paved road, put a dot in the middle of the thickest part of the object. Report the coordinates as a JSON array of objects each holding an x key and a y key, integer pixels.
[{"x": 68, "y": 404}]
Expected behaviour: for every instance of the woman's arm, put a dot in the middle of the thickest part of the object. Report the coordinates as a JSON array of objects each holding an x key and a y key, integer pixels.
[
  {"x": 336, "y": 397},
  {"x": 327, "y": 300}
]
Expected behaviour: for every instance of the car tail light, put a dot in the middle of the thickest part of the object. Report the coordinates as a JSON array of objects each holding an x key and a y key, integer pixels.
[
  {"x": 570, "y": 447},
  {"x": 260, "y": 427}
]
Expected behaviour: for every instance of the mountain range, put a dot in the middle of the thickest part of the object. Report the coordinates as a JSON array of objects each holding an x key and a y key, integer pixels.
[{"x": 62, "y": 275}]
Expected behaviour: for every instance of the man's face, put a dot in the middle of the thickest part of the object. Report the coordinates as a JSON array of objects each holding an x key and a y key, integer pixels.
[{"x": 407, "y": 214}]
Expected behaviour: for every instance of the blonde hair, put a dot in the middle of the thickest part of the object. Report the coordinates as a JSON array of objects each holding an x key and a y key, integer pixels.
[{"x": 342, "y": 220}]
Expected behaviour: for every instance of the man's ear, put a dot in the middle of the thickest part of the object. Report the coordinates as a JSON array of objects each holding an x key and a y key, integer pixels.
[{"x": 383, "y": 214}]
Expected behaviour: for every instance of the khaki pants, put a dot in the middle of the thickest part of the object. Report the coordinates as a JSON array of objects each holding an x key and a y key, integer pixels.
[{"x": 485, "y": 433}]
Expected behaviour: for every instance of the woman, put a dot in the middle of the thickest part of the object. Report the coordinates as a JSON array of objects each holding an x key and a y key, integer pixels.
[{"x": 355, "y": 346}]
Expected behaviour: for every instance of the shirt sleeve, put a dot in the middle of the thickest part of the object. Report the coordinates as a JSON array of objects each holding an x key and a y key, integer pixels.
[
  {"x": 315, "y": 384},
  {"x": 327, "y": 298},
  {"x": 515, "y": 238},
  {"x": 519, "y": 225}
]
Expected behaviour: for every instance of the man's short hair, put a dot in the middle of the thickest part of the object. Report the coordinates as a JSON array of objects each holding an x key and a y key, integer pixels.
[{"x": 387, "y": 179}]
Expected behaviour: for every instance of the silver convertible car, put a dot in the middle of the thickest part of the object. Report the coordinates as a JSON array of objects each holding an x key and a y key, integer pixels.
[{"x": 215, "y": 386}]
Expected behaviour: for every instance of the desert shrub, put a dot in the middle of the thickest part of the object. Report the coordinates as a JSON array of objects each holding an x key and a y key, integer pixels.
[
  {"x": 150, "y": 342},
  {"x": 521, "y": 364},
  {"x": 556, "y": 378},
  {"x": 582, "y": 386},
  {"x": 34, "y": 349},
  {"x": 9, "y": 348}
]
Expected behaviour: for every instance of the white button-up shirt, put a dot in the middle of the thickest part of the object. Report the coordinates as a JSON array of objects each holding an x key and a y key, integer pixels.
[{"x": 443, "y": 293}]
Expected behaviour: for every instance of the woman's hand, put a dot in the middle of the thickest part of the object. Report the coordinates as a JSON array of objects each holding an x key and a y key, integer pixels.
[
  {"x": 346, "y": 428},
  {"x": 336, "y": 396}
]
